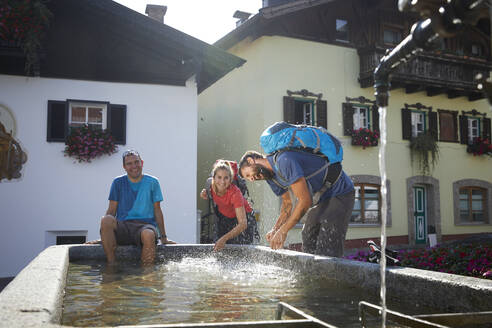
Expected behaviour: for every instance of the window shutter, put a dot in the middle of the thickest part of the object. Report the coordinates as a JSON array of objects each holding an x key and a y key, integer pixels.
[
  {"x": 348, "y": 119},
  {"x": 289, "y": 110},
  {"x": 433, "y": 124},
  {"x": 448, "y": 126},
  {"x": 375, "y": 118},
  {"x": 57, "y": 121},
  {"x": 486, "y": 128},
  {"x": 321, "y": 113},
  {"x": 117, "y": 123},
  {"x": 406, "y": 123},
  {"x": 455, "y": 126},
  {"x": 463, "y": 129}
]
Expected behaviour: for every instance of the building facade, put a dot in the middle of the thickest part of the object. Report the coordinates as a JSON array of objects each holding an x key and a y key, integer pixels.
[
  {"x": 312, "y": 63},
  {"x": 106, "y": 66}
]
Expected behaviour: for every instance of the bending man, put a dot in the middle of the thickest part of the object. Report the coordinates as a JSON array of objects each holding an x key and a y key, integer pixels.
[{"x": 326, "y": 196}]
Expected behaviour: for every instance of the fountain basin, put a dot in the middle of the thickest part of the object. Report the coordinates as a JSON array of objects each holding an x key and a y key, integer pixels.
[{"x": 34, "y": 298}]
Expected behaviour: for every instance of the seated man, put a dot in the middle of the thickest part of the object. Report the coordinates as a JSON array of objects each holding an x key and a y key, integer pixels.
[{"x": 134, "y": 211}]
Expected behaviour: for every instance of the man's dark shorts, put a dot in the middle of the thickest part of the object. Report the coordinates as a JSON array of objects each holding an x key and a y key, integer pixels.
[{"x": 128, "y": 232}]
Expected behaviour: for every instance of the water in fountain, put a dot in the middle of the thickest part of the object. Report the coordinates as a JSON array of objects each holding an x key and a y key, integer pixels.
[{"x": 212, "y": 287}]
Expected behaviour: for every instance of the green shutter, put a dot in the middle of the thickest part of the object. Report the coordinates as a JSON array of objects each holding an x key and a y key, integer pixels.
[
  {"x": 433, "y": 124},
  {"x": 321, "y": 113},
  {"x": 463, "y": 129},
  {"x": 348, "y": 119},
  {"x": 486, "y": 128},
  {"x": 117, "y": 123},
  {"x": 289, "y": 110},
  {"x": 406, "y": 123},
  {"x": 57, "y": 127},
  {"x": 375, "y": 118}
]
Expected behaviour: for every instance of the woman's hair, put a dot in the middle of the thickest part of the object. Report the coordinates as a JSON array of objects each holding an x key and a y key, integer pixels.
[{"x": 221, "y": 165}]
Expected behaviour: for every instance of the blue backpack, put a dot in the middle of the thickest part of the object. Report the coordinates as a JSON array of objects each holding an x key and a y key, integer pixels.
[{"x": 284, "y": 136}]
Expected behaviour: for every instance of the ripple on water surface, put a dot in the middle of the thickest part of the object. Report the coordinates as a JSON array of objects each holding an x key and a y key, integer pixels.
[{"x": 211, "y": 288}]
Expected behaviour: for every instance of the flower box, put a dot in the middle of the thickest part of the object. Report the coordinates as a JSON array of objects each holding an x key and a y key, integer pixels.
[
  {"x": 86, "y": 144},
  {"x": 365, "y": 138},
  {"x": 480, "y": 147}
]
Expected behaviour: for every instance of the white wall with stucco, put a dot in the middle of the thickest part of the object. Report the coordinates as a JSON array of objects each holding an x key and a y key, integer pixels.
[{"x": 57, "y": 194}]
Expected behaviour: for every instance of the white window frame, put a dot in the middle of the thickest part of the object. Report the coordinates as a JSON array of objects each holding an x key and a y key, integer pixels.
[
  {"x": 103, "y": 106},
  {"x": 473, "y": 128},
  {"x": 308, "y": 113},
  {"x": 361, "y": 117},
  {"x": 418, "y": 123}
]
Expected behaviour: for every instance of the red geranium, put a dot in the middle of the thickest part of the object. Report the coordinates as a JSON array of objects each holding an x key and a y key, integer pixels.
[
  {"x": 85, "y": 144},
  {"x": 365, "y": 138},
  {"x": 480, "y": 147}
]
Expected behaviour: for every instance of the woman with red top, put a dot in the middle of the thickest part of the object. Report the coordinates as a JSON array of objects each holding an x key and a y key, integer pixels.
[{"x": 234, "y": 214}]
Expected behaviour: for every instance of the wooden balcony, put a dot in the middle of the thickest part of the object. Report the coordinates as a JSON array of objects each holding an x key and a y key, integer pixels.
[{"x": 431, "y": 72}]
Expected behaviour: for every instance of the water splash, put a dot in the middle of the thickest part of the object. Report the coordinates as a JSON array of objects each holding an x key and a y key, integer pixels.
[{"x": 384, "y": 210}]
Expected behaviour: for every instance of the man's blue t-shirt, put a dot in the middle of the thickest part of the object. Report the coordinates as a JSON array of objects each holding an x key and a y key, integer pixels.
[
  {"x": 293, "y": 165},
  {"x": 136, "y": 200}
]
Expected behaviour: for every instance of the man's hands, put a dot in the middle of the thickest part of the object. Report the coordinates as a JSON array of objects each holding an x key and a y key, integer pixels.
[{"x": 276, "y": 238}]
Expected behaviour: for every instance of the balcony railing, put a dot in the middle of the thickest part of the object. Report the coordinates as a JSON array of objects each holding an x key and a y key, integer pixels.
[{"x": 434, "y": 73}]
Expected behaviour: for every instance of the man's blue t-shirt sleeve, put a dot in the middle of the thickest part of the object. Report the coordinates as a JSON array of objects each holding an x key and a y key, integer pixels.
[{"x": 156, "y": 191}]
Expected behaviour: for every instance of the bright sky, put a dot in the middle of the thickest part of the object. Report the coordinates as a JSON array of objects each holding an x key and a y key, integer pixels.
[{"x": 207, "y": 20}]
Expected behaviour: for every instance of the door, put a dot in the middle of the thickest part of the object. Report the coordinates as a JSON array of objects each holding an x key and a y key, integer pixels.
[{"x": 420, "y": 217}]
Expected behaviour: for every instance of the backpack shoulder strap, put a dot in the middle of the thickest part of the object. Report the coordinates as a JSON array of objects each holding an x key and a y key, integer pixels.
[{"x": 208, "y": 188}]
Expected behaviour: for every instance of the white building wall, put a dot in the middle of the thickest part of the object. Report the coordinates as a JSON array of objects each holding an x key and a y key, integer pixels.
[{"x": 57, "y": 194}]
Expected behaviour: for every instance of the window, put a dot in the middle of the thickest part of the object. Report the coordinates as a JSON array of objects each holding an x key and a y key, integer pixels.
[
  {"x": 64, "y": 237},
  {"x": 367, "y": 204},
  {"x": 359, "y": 114},
  {"x": 361, "y": 117},
  {"x": 93, "y": 115},
  {"x": 473, "y": 129},
  {"x": 64, "y": 115},
  {"x": 474, "y": 124},
  {"x": 305, "y": 110},
  {"x": 66, "y": 240},
  {"x": 477, "y": 50},
  {"x": 417, "y": 119},
  {"x": 472, "y": 204},
  {"x": 418, "y": 123},
  {"x": 391, "y": 36},
  {"x": 342, "y": 30}
]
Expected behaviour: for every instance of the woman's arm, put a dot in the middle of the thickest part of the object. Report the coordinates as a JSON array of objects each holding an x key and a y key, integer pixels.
[{"x": 240, "y": 227}]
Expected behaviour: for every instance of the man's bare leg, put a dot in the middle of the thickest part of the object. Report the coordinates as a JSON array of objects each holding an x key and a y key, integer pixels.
[
  {"x": 148, "y": 246},
  {"x": 108, "y": 238}
]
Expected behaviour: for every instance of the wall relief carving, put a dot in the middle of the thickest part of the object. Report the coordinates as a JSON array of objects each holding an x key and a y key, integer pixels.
[{"x": 11, "y": 155}]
